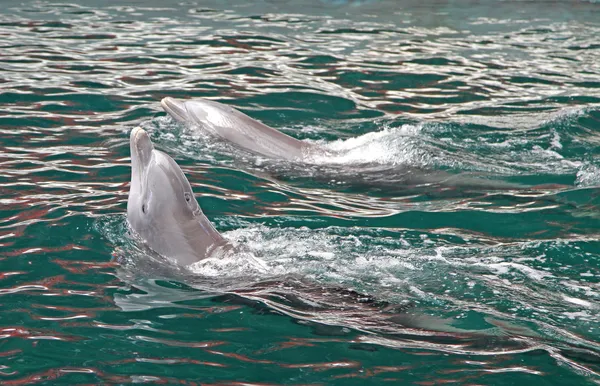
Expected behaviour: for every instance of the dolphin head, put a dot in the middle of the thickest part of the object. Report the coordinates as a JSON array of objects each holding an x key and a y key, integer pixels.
[
  {"x": 161, "y": 207},
  {"x": 212, "y": 116}
]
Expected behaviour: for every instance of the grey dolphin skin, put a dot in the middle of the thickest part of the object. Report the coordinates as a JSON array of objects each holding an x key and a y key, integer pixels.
[
  {"x": 239, "y": 129},
  {"x": 236, "y": 127},
  {"x": 162, "y": 209}
]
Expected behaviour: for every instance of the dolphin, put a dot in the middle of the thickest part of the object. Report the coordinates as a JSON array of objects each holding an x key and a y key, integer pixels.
[
  {"x": 162, "y": 209},
  {"x": 238, "y": 128}
]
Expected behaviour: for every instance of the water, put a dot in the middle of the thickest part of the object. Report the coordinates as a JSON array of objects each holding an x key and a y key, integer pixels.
[{"x": 344, "y": 279}]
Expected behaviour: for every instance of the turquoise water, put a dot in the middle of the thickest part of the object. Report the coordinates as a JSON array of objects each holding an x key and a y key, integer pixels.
[{"x": 349, "y": 275}]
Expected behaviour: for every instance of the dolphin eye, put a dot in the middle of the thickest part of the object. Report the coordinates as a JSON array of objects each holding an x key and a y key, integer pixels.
[{"x": 188, "y": 197}]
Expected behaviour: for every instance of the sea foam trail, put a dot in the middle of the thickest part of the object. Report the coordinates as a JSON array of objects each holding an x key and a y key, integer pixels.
[
  {"x": 433, "y": 146},
  {"x": 396, "y": 268}
]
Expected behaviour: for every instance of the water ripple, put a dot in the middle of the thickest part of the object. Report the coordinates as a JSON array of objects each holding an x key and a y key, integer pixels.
[{"x": 352, "y": 271}]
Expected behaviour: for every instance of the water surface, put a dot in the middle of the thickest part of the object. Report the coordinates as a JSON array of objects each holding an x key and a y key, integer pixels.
[{"x": 343, "y": 280}]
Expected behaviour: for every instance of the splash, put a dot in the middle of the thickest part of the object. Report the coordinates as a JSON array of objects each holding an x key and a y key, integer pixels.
[
  {"x": 588, "y": 175},
  {"x": 390, "y": 146}
]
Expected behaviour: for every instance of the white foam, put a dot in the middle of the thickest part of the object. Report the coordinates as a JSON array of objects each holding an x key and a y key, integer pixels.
[
  {"x": 588, "y": 175},
  {"x": 556, "y": 140},
  {"x": 390, "y": 146},
  {"x": 579, "y": 315},
  {"x": 531, "y": 273},
  {"x": 420, "y": 145},
  {"x": 231, "y": 265},
  {"x": 323, "y": 255}
]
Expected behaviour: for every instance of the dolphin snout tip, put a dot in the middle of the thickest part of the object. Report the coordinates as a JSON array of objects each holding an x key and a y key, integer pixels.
[
  {"x": 166, "y": 102},
  {"x": 137, "y": 133},
  {"x": 174, "y": 107},
  {"x": 140, "y": 142}
]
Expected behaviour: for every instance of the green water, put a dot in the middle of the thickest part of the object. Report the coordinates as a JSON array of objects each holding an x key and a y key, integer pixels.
[{"x": 463, "y": 285}]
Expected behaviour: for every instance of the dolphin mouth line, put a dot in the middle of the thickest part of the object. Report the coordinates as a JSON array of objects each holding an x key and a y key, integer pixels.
[
  {"x": 136, "y": 135},
  {"x": 137, "y": 132},
  {"x": 135, "y": 148},
  {"x": 173, "y": 107},
  {"x": 141, "y": 160}
]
